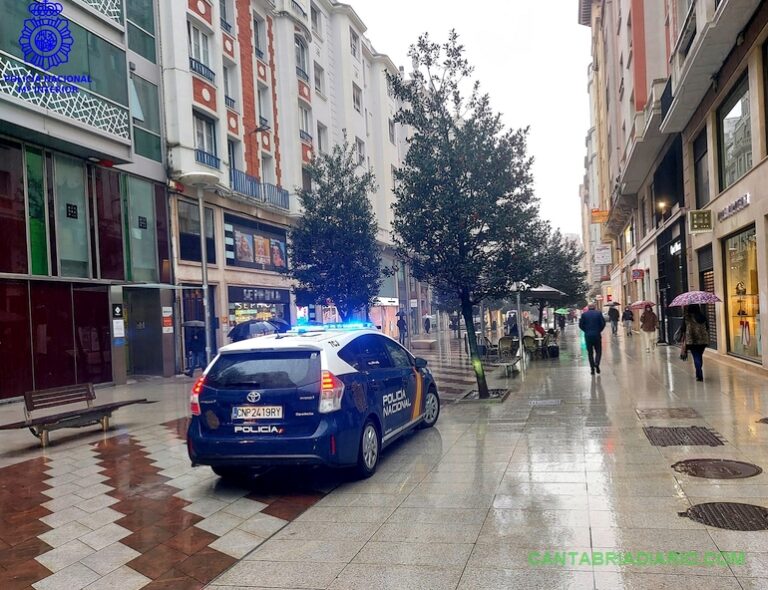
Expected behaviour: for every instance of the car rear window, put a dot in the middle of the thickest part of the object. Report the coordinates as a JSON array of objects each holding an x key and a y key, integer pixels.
[{"x": 265, "y": 370}]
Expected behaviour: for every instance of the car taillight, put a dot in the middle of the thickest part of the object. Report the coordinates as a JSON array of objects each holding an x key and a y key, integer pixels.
[
  {"x": 194, "y": 397},
  {"x": 331, "y": 390}
]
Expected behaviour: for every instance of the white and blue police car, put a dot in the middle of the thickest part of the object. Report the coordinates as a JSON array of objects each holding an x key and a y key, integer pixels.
[{"x": 333, "y": 395}]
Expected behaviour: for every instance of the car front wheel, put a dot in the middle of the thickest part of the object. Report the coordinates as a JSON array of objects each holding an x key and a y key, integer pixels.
[
  {"x": 431, "y": 409},
  {"x": 370, "y": 450}
]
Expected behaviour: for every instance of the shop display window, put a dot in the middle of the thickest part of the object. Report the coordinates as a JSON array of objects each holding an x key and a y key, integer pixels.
[{"x": 742, "y": 295}]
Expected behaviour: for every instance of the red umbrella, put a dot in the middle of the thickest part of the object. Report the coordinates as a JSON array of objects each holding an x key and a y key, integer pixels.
[
  {"x": 694, "y": 298},
  {"x": 641, "y": 304}
]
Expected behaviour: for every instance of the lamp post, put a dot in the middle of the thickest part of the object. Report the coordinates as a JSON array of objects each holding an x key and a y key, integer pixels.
[
  {"x": 516, "y": 289},
  {"x": 201, "y": 181}
]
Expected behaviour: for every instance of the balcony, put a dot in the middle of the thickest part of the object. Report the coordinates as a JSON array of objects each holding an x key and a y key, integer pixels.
[
  {"x": 259, "y": 53},
  {"x": 302, "y": 74},
  {"x": 261, "y": 192},
  {"x": 81, "y": 108},
  {"x": 263, "y": 123},
  {"x": 229, "y": 102},
  {"x": 298, "y": 9},
  {"x": 707, "y": 35},
  {"x": 226, "y": 26},
  {"x": 207, "y": 159},
  {"x": 304, "y": 136},
  {"x": 201, "y": 69}
]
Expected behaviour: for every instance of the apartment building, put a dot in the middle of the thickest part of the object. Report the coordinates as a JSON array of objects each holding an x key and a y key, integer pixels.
[
  {"x": 686, "y": 209},
  {"x": 85, "y": 267}
]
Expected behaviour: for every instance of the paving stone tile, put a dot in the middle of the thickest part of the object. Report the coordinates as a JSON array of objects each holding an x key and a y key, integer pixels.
[
  {"x": 105, "y": 536},
  {"x": 110, "y": 558},
  {"x": 123, "y": 578},
  {"x": 64, "y": 555},
  {"x": 282, "y": 574},
  {"x": 73, "y": 577}
]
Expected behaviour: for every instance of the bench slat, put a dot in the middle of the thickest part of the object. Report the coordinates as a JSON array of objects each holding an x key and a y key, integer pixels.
[
  {"x": 64, "y": 415},
  {"x": 47, "y": 398}
]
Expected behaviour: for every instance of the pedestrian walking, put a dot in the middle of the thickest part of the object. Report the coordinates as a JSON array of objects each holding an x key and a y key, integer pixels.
[
  {"x": 627, "y": 318},
  {"x": 649, "y": 323},
  {"x": 427, "y": 324},
  {"x": 613, "y": 315},
  {"x": 561, "y": 322},
  {"x": 592, "y": 323},
  {"x": 694, "y": 337},
  {"x": 195, "y": 351},
  {"x": 402, "y": 328}
]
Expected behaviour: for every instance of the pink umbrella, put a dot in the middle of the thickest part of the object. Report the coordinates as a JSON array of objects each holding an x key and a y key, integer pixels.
[
  {"x": 694, "y": 298},
  {"x": 641, "y": 304}
]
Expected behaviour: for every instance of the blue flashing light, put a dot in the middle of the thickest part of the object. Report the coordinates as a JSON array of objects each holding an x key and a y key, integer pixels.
[{"x": 308, "y": 328}]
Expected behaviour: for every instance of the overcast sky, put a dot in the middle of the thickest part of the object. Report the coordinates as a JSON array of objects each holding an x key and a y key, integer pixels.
[{"x": 531, "y": 57}]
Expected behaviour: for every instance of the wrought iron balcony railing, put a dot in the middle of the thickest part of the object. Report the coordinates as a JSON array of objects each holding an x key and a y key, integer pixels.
[
  {"x": 207, "y": 159},
  {"x": 305, "y": 136},
  {"x": 229, "y": 102},
  {"x": 263, "y": 192},
  {"x": 263, "y": 122},
  {"x": 259, "y": 53},
  {"x": 274, "y": 195},
  {"x": 302, "y": 74},
  {"x": 226, "y": 26},
  {"x": 202, "y": 70}
]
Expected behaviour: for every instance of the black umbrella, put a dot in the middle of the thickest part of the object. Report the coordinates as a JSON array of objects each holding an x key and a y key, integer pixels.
[
  {"x": 194, "y": 324},
  {"x": 281, "y": 325},
  {"x": 250, "y": 329}
]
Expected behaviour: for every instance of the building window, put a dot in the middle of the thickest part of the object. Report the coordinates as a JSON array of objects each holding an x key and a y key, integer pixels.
[
  {"x": 391, "y": 131},
  {"x": 360, "y": 151},
  {"x": 198, "y": 45},
  {"x": 189, "y": 233},
  {"x": 145, "y": 111},
  {"x": 305, "y": 124},
  {"x": 143, "y": 228},
  {"x": 301, "y": 59},
  {"x": 701, "y": 169},
  {"x": 140, "y": 15},
  {"x": 232, "y": 154},
  {"x": 258, "y": 37},
  {"x": 317, "y": 20},
  {"x": 319, "y": 79},
  {"x": 354, "y": 43},
  {"x": 205, "y": 134},
  {"x": 357, "y": 97},
  {"x": 72, "y": 226},
  {"x": 742, "y": 294},
  {"x": 735, "y": 135},
  {"x": 322, "y": 138}
]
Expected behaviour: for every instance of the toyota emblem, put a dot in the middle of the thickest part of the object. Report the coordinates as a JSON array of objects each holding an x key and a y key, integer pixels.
[{"x": 253, "y": 397}]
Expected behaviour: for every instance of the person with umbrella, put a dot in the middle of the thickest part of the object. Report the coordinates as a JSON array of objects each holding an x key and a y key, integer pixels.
[
  {"x": 613, "y": 315},
  {"x": 694, "y": 337},
  {"x": 649, "y": 323}
]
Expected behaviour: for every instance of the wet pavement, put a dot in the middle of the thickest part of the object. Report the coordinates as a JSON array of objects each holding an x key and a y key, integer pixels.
[{"x": 563, "y": 465}]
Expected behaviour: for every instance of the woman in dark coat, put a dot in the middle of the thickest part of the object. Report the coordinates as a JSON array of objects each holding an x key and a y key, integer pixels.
[{"x": 694, "y": 337}]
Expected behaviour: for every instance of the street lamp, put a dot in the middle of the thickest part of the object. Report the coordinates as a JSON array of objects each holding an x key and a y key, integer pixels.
[
  {"x": 201, "y": 181},
  {"x": 517, "y": 287}
]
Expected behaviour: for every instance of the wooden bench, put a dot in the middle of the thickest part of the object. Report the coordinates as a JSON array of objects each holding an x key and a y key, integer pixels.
[{"x": 45, "y": 399}]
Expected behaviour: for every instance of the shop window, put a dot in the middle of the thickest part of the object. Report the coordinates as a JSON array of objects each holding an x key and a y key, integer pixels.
[
  {"x": 189, "y": 233},
  {"x": 109, "y": 203},
  {"x": 52, "y": 334},
  {"x": 93, "y": 343},
  {"x": 255, "y": 245},
  {"x": 141, "y": 226},
  {"x": 701, "y": 169},
  {"x": 735, "y": 135},
  {"x": 742, "y": 295},
  {"x": 140, "y": 15},
  {"x": 38, "y": 232},
  {"x": 72, "y": 217},
  {"x": 13, "y": 254},
  {"x": 15, "y": 343}
]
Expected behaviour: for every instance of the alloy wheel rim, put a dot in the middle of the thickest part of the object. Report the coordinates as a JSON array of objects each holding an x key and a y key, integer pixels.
[
  {"x": 430, "y": 413},
  {"x": 370, "y": 446}
]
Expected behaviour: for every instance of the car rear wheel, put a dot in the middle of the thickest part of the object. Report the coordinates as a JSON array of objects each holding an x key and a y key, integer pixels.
[
  {"x": 229, "y": 473},
  {"x": 370, "y": 450},
  {"x": 431, "y": 409}
]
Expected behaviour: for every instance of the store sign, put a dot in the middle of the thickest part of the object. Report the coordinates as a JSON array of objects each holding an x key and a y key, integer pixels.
[
  {"x": 700, "y": 221},
  {"x": 638, "y": 274},
  {"x": 254, "y": 245},
  {"x": 603, "y": 254},
  {"x": 738, "y": 205},
  {"x": 387, "y": 301},
  {"x": 599, "y": 216},
  {"x": 256, "y": 295}
]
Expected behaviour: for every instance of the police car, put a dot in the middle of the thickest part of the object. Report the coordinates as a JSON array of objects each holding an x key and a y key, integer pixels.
[{"x": 315, "y": 395}]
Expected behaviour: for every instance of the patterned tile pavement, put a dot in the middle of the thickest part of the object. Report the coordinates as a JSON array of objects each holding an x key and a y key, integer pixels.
[{"x": 130, "y": 512}]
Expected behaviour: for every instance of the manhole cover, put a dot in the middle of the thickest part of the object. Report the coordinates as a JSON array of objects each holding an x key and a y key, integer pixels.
[
  {"x": 717, "y": 468},
  {"x": 729, "y": 515},
  {"x": 650, "y": 413},
  {"x": 669, "y": 436},
  {"x": 763, "y": 420},
  {"x": 544, "y": 402}
]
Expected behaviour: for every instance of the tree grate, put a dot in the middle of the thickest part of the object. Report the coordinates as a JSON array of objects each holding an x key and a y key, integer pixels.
[
  {"x": 717, "y": 468},
  {"x": 669, "y": 436},
  {"x": 729, "y": 515},
  {"x": 668, "y": 413}
]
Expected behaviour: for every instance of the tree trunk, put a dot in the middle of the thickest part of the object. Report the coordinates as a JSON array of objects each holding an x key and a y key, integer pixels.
[
  {"x": 477, "y": 365},
  {"x": 541, "y": 313}
]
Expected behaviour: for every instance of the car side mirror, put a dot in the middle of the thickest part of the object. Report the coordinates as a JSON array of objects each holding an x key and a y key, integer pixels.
[{"x": 420, "y": 363}]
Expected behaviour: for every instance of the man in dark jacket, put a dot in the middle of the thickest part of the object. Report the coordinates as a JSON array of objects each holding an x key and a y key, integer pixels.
[
  {"x": 592, "y": 323},
  {"x": 613, "y": 315}
]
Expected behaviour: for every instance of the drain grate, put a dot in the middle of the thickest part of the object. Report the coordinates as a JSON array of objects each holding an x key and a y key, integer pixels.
[
  {"x": 669, "y": 436},
  {"x": 717, "y": 468},
  {"x": 729, "y": 515},
  {"x": 671, "y": 413},
  {"x": 535, "y": 403}
]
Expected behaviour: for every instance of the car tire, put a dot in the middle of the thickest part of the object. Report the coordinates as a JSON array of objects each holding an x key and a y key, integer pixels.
[
  {"x": 369, "y": 450},
  {"x": 431, "y": 409},
  {"x": 228, "y": 473}
]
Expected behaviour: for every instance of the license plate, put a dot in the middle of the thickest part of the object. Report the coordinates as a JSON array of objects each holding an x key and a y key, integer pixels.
[{"x": 257, "y": 412}]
